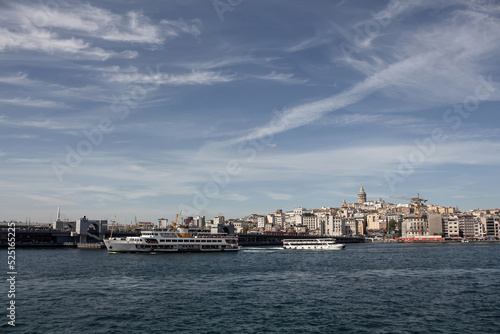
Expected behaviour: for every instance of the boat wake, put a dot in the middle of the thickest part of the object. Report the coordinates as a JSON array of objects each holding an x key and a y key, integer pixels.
[{"x": 260, "y": 249}]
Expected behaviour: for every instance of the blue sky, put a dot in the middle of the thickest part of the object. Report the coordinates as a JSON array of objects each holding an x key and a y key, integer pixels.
[{"x": 140, "y": 109}]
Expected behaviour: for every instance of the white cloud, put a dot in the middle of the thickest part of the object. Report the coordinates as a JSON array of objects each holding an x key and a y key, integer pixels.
[
  {"x": 29, "y": 102},
  {"x": 18, "y": 79},
  {"x": 93, "y": 21},
  {"x": 192, "y": 27},
  {"x": 161, "y": 78},
  {"x": 41, "y": 28},
  {"x": 218, "y": 62},
  {"x": 281, "y": 77},
  {"x": 42, "y": 40},
  {"x": 47, "y": 124}
]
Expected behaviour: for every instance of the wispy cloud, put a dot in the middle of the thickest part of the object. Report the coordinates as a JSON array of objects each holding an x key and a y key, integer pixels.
[
  {"x": 29, "y": 102},
  {"x": 440, "y": 66},
  {"x": 18, "y": 79},
  {"x": 303, "y": 114},
  {"x": 93, "y": 21},
  {"x": 46, "y": 124},
  {"x": 287, "y": 78},
  {"x": 161, "y": 78},
  {"x": 219, "y": 62},
  {"x": 42, "y": 28},
  {"x": 192, "y": 27},
  {"x": 42, "y": 40}
]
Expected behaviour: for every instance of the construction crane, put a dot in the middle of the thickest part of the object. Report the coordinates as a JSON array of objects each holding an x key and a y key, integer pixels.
[
  {"x": 419, "y": 202},
  {"x": 174, "y": 227}
]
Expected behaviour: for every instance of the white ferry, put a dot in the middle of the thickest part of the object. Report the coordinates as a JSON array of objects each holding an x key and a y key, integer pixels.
[
  {"x": 172, "y": 241},
  {"x": 314, "y": 244}
]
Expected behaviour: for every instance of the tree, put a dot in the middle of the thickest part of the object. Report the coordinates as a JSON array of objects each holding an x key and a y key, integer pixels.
[{"x": 394, "y": 226}]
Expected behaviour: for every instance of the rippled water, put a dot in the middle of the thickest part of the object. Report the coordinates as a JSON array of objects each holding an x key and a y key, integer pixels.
[{"x": 366, "y": 288}]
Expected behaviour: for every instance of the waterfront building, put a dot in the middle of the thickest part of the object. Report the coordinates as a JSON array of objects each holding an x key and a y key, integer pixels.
[
  {"x": 163, "y": 223},
  {"x": 394, "y": 216},
  {"x": 261, "y": 221},
  {"x": 219, "y": 220},
  {"x": 360, "y": 218},
  {"x": 435, "y": 224},
  {"x": 490, "y": 225},
  {"x": 188, "y": 221},
  {"x": 270, "y": 227},
  {"x": 271, "y": 219},
  {"x": 309, "y": 220},
  {"x": 239, "y": 225},
  {"x": 453, "y": 227},
  {"x": 382, "y": 225},
  {"x": 410, "y": 227},
  {"x": 298, "y": 211},
  {"x": 373, "y": 222},
  {"x": 199, "y": 221},
  {"x": 351, "y": 226},
  {"x": 469, "y": 226},
  {"x": 334, "y": 225},
  {"x": 279, "y": 218}
]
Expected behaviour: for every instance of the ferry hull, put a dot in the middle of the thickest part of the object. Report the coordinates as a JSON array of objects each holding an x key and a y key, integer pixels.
[
  {"x": 312, "y": 244},
  {"x": 317, "y": 247},
  {"x": 114, "y": 246}
]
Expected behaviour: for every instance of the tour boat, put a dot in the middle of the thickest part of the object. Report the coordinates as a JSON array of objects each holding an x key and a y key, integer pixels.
[
  {"x": 314, "y": 244},
  {"x": 172, "y": 241}
]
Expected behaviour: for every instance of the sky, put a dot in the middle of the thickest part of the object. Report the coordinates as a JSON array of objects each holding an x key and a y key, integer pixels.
[{"x": 140, "y": 109}]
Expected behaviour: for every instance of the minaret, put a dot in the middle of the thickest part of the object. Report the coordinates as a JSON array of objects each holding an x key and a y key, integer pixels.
[
  {"x": 58, "y": 224},
  {"x": 361, "y": 195}
]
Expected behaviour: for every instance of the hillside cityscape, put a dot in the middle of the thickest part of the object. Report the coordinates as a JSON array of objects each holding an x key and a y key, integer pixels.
[{"x": 379, "y": 219}]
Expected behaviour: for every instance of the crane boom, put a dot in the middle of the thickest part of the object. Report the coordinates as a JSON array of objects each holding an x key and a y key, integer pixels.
[
  {"x": 419, "y": 202},
  {"x": 175, "y": 222}
]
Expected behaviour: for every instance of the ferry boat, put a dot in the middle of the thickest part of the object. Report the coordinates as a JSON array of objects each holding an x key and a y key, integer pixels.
[
  {"x": 314, "y": 244},
  {"x": 172, "y": 241},
  {"x": 175, "y": 239}
]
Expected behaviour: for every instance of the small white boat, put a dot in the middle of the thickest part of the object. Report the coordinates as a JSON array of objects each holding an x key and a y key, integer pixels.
[{"x": 313, "y": 244}]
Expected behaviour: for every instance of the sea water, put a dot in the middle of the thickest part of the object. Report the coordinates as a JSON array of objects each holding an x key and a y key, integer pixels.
[{"x": 365, "y": 288}]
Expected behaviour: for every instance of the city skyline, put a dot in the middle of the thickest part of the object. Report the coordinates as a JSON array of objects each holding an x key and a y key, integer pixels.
[
  {"x": 237, "y": 107},
  {"x": 358, "y": 204}
]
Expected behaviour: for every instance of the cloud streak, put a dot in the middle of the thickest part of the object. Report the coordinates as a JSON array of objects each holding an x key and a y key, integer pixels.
[
  {"x": 160, "y": 78},
  {"x": 439, "y": 66}
]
